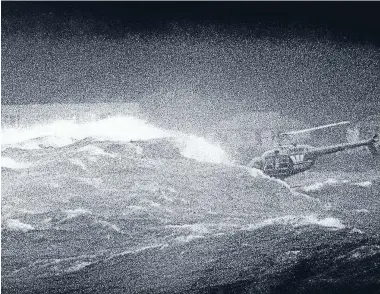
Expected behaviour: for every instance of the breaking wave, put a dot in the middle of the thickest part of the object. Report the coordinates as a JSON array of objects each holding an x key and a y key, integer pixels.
[
  {"x": 63, "y": 133},
  {"x": 17, "y": 225},
  {"x": 299, "y": 221},
  {"x": 12, "y": 164},
  {"x": 333, "y": 182}
]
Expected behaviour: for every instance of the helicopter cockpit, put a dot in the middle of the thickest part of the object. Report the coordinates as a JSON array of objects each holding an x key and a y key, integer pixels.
[{"x": 277, "y": 163}]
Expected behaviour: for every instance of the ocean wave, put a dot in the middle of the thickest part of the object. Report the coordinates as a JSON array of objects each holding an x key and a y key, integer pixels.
[
  {"x": 196, "y": 227},
  {"x": 57, "y": 266},
  {"x": 298, "y": 221},
  {"x": 73, "y": 213},
  {"x": 78, "y": 266},
  {"x": 356, "y": 231},
  {"x": 361, "y": 252},
  {"x": 95, "y": 182},
  {"x": 175, "y": 191},
  {"x": 52, "y": 141},
  {"x": 138, "y": 250},
  {"x": 333, "y": 182},
  {"x": 365, "y": 251},
  {"x": 184, "y": 233},
  {"x": 114, "y": 129},
  {"x": 364, "y": 184},
  {"x": 26, "y": 145},
  {"x": 188, "y": 238},
  {"x": 95, "y": 151},
  {"x": 117, "y": 128},
  {"x": 363, "y": 210},
  {"x": 109, "y": 225},
  {"x": 201, "y": 150},
  {"x": 8, "y": 162},
  {"x": 17, "y": 225},
  {"x": 78, "y": 162},
  {"x": 321, "y": 185}
]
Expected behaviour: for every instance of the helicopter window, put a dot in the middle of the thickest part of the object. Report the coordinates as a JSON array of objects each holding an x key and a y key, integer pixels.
[
  {"x": 269, "y": 162},
  {"x": 284, "y": 162},
  {"x": 284, "y": 159},
  {"x": 275, "y": 162}
]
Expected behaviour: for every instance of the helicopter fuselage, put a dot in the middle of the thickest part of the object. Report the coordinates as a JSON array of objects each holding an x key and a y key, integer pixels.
[
  {"x": 288, "y": 160},
  {"x": 285, "y": 161}
]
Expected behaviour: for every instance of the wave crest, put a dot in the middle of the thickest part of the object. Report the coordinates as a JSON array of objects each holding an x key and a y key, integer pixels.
[{"x": 119, "y": 129}]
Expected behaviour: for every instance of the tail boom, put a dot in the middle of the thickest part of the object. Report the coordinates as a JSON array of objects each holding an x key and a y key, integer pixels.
[{"x": 342, "y": 147}]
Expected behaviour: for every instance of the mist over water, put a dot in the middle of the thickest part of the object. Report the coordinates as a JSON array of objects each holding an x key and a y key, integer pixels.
[
  {"x": 120, "y": 129},
  {"x": 113, "y": 128},
  {"x": 191, "y": 76}
]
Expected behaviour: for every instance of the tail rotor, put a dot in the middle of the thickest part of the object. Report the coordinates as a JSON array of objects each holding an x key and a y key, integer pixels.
[{"x": 371, "y": 146}]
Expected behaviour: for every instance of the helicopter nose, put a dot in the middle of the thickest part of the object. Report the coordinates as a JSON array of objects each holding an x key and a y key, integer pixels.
[{"x": 256, "y": 163}]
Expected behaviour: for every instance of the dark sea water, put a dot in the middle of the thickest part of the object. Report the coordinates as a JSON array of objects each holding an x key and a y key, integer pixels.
[{"x": 85, "y": 209}]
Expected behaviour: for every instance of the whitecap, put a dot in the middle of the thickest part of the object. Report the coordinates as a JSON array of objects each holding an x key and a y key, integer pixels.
[
  {"x": 362, "y": 210},
  {"x": 297, "y": 221},
  {"x": 150, "y": 203},
  {"x": 63, "y": 132},
  {"x": 78, "y": 162},
  {"x": 17, "y": 225},
  {"x": 332, "y": 181},
  {"x": 95, "y": 151},
  {"x": 109, "y": 225},
  {"x": 356, "y": 231},
  {"x": 54, "y": 141},
  {"x": 198, "y": 228},
  {"x": 136, "y": 207},
  {"x": 95, "y": 182},
  {"x": 76, "y": 212},
  {"x": 314, "y": 187},
  {"x": 254, "y": 172},
  {"x": 329, "y": 222},
  {"x": 138, "y": 250},
  {"x": 202, "y": 150},
  {"x": 319, "y": 185},
  {"x": 365, "y": 184},
  {"x": 78, "y": 266},
  {"x": 13, "y": 164},
  {"x": 364, "y": 252},
  {"x": 117, "y": 128},
  {"x": 188, "y": 238},
  {"x": 293, "y": 252}
]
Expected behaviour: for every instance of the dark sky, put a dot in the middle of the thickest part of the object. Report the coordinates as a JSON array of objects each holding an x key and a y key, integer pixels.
[
  {"x": 357, "y": 21},
  {"x": 293, "y": 56}
]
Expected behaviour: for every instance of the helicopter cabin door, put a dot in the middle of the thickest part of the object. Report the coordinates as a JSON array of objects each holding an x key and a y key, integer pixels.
[{"x": 277, "y": 164}]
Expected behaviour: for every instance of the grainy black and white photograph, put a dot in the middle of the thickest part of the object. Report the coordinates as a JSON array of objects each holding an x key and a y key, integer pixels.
[{"x": 190, "y": 147}]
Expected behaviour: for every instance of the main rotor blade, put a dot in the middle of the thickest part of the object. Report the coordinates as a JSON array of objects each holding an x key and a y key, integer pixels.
[{"x": 315, "y": 128}]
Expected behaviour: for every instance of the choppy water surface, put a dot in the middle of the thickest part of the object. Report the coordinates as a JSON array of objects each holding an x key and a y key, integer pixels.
[{"x": 122, "y": 206}]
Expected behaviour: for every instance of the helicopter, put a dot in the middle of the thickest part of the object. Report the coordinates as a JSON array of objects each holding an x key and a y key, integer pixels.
[{"x": 287, "y": 160}]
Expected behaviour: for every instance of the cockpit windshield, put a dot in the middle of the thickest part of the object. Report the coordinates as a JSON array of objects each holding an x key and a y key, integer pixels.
[{"x": 274, "y": 162}]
